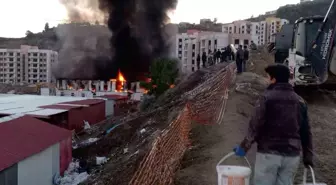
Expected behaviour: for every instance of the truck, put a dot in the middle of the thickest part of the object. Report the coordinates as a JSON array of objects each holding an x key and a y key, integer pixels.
[{"x": 308, "y": 48}]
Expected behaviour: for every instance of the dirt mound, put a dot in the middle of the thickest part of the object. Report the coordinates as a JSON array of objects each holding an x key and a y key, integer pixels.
[{"x": 259, "y": 59}]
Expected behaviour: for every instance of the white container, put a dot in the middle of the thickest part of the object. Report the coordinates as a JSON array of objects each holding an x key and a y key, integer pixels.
[
  {"x": 313, "y": 177},
  {"x": 233, "y": 175}
]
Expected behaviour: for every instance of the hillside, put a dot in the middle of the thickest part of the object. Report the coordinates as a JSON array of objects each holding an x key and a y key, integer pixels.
[{"x": 295, "y": 11}]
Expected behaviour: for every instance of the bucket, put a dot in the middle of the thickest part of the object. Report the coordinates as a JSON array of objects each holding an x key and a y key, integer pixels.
[
  {"x": 233, "y": 175},
  {"x": 313, "y": 177}
]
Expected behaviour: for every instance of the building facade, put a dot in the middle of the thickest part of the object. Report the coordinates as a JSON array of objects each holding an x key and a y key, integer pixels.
[
  {"x": 245, "y": 32},
  {"x": 192, "y": 44},
  {"x": 29, "y": 64}
]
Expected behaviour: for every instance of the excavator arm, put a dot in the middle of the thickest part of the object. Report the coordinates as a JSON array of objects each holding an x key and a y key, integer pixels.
[{"x": 322, "y": 49}]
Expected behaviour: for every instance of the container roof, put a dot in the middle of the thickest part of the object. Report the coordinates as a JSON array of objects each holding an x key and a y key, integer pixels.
[
  {"x": 86, "y": 102},
  {"x": 114, "y": 97},
  {"x": 31, "y": 104},
  {"x": 25, "y": 136}
]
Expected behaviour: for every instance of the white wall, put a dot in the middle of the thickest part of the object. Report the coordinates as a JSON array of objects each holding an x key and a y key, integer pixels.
[
  {"x": 109, "y": 107},
  {"x": 40, "y": 168}
]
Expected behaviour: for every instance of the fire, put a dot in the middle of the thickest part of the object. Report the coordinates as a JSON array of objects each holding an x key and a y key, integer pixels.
[
  {"x": 121, "y": 77},
  {"x": 120, "y": 82}
]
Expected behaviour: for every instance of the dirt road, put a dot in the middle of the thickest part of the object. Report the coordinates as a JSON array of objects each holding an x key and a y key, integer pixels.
[{"x": 211, "y": 142}]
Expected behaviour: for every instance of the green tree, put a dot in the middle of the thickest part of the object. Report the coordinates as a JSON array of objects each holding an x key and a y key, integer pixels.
[
  {"x": 29, "y": 33},
  {"x": 46, "y": 27},
  {"x": 162, "y": 74}
]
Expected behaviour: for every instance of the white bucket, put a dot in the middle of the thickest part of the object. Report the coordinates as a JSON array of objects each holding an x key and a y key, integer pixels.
[
  {"x": 233, "y": 175},
  {"x": 313, "y": 177}
]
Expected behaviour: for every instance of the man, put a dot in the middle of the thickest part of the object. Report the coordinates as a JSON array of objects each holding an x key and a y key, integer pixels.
[
  {"x": 246, "y": 58},
  {"x": 281, "y": 129},
  {"x": 239, "y": 59}
]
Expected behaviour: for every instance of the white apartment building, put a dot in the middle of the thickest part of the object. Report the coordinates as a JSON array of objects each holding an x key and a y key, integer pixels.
[
  {"x": 190, "y": 45},
  {"x": 27, "y": 65},
  {"x": 244, "y": 32}
]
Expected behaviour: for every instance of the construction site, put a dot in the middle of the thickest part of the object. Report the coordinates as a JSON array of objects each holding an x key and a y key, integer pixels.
[{"x": 183, "y": 135}]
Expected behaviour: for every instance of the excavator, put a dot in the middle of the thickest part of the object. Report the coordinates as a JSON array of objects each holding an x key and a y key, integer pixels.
[{"x": 308, "y": 48}]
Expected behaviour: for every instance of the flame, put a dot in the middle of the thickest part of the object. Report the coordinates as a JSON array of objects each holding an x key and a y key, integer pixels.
[{"x": 121, "y": 78}]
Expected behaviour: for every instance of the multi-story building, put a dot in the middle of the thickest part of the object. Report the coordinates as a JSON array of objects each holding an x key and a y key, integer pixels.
[
  {"x": 190, "y": 45},
  {"x": 27, "y": 65},
  {"x": 245, "y": 32},
  {"x": 240, "y": 32}
]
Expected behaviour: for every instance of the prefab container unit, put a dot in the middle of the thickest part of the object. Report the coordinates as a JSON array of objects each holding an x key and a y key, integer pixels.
[
  {"x": 112, "y": 102},
  {"x": 93, "y": 110},
  {"x": 73, "y": 118},
  {"x": 32, "y": 152}
]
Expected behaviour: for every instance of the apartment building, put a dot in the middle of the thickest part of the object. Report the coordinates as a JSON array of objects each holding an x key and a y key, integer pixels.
[
  {"x": 29, "y": 64},
  {"x": 240, "y": 32},
  {"x": 190, "y": 45},
  {"x": 244, "y": 32}
]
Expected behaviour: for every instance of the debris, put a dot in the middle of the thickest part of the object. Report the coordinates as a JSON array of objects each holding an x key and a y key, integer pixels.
[
  {"x": 125, "y": 150},
  {"x": 101, "y": 160},
  {"x": 142, "y": 131},
  {"x": 86, "y": 125},
  {"x": 71, "y": 175}
]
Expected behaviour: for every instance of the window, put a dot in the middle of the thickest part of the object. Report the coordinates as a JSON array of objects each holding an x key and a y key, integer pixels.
[
  {"x": 11, "y": 54},
  {"x": 193, "y": 46},
  {"x": 215, "y": 41},
  {"x": 193, "y": 62},
  {"x": 192, "y": 69}
]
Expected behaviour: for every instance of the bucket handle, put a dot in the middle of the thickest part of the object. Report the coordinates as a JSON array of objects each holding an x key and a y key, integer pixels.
[
  {"x": 231, "y": 154},
  {"x": 305, "y": 175}
]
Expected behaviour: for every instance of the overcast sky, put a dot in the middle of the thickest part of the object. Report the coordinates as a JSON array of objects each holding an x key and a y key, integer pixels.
[{"x": 18, "y": 16}]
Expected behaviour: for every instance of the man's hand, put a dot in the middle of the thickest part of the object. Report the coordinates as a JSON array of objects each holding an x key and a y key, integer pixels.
[
  {"x": 239, "y": 151},
  {"x": 308, "y": 161}
]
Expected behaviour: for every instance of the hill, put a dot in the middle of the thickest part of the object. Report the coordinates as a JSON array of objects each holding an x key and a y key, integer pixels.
[
  {"x": 295, "y": 11},
  {"x": 306, "y": 9}
]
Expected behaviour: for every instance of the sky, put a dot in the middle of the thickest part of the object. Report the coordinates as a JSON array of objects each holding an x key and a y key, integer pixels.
[{"x": 18, "y": 16}]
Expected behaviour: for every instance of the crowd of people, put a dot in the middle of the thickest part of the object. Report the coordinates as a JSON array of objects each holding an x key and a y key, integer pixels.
[{"x": 224, "y": 55}]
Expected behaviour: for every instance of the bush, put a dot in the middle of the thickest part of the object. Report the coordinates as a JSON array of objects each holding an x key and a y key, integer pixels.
[{"x": 163, "y": 73}]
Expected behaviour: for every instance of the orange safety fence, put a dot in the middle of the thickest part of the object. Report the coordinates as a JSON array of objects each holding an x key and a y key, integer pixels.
[{"x": 206, "y": 106}]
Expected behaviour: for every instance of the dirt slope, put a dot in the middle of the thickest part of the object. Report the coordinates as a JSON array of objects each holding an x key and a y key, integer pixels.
[{"x": 211, "y": 142}]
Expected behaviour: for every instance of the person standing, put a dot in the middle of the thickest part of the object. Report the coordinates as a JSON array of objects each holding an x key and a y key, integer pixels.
[
  {"x": 198, "y": 60},
  {"x": 240, "y": 59},
  {"x": 204, "y": 59},
  {"x": 246, "y": 58},
  {"x": 281, "y": 129}
]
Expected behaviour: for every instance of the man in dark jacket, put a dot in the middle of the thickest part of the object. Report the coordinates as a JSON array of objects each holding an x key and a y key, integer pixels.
[
  {"x": 246, "y": 58},
  {"x": 240, "y": 59},
  {"x": 281, "y": 129}
]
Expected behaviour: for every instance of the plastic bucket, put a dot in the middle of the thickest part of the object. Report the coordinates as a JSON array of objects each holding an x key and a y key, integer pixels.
[
  {"x": 313, "y": 177},
  {"x": 233, "y": 175}
]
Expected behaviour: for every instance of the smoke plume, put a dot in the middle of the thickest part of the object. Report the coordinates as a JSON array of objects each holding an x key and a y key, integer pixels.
[
  {"x": 138, "y": 34},
  {"x": 84, "y": 11}
]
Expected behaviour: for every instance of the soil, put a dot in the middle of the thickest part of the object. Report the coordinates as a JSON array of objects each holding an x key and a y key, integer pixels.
[{"x": 212, "y": 142}]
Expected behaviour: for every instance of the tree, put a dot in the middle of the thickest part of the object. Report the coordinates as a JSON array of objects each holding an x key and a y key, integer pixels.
[
  {"x": 162, "y": 74},
  {"x": 46, "y": 27},
  {"x": 29, "y": 33}
]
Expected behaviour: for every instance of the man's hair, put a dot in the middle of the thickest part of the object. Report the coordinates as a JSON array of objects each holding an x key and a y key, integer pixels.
[
  {"x": 279, "y": 72},
  {"x": 240, "y": 46},
  {"x": 245, "y": 47}
]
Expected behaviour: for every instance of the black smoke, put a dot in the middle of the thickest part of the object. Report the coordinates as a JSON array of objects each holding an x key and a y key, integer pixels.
[{"x": 138, "y": 35}]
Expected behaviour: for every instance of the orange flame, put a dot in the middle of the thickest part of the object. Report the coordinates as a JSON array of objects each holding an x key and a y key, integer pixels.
[{"x": 121, "y": 77}]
